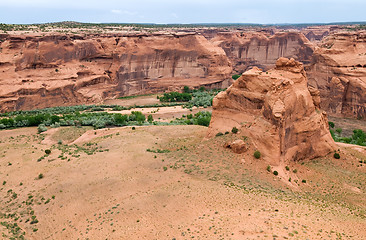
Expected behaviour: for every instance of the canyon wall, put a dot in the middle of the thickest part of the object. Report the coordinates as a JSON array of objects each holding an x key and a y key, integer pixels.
[
  {"x": 261, "y": 49},
  {"x": 68, "y": 69},
  {"x": 57, "y": 70},
  {"x": 338, "y": 70}
]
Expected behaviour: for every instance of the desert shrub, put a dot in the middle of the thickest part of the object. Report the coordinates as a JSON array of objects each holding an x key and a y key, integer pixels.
[
  {"x": 219, "y": 134},
  {"x": 120, "y": 119},
  {"x": 227, "y": 132},
  {"x": 294, "y": 171},
  {"x": 42, "y": 128},
  {"x": 202, "y": 118},
  {"x": 186, "y": 89},
  {"x": 133, "y": 128},
  {"x": 235, "y": 76},
  {"x": 331, "y": 124},
  {"x": 269, "y": 168},
  {"x": 303, "y": 181},
  {"x": 287, "y": 168},
  {"x": 40, "y": 176},
  {"x": 47, "y": 151},
  {"x": 257, "y": 154},
  {"x": 336, "y": 155},
  {"x": 234, "y": 130},
  {"x": 150, "y": 118},
  {"x": 339, "y": 131},
  {"x": 275, "y": 173}
]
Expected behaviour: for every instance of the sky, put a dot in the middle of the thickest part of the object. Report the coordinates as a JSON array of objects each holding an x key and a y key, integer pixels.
[{"x": 182, "y": 11}]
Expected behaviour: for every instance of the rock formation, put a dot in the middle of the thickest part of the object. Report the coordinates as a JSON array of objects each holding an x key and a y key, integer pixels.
[
  {"x": 261, "y": 49},
  {"x": 338, "y": 71},
  {"x": 56, "y": 70},
  {"x": 276, "y": 111}
]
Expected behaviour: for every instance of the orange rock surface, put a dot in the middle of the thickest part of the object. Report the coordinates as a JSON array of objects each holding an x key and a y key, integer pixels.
[
  {"x": 338, "y": 70},
  {"x": 56, "y": 70},
  {"x": 262, "y": 49},
  {"x": 277, "y": 112}
]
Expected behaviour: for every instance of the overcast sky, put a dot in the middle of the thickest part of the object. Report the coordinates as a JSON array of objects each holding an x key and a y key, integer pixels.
[{"x": 182, "y": 11}]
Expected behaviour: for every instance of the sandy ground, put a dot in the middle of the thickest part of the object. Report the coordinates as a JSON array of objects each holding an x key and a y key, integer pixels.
[
  {"x": 197, "y": 190},
  {"x": 139, "y": 100}
]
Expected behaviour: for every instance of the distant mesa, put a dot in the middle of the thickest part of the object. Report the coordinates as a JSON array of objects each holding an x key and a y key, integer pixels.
[{"x": 277, "y": 112}]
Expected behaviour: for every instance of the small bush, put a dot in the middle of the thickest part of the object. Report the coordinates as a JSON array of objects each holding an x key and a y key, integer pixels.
[
  {"x": 303, "y": 181},
  {"x": 269, "y": 168},
  {"x": 40, "y": 176},
  {"x": 227, "y": 132},
  {"x": 337, "y": 156},
  {"x": 275, "y": 173},
  {"x": 287, "y": 168},
  {"x": 133, "y": 128},
  {"x": 150, "y": 118},
  {"x": 235, "y": 76},
  {"x": 47, "y": 151},
  {"x": 339, "y": 131},
  {"x": 165, "y": 168},
  {"x": 294, "y": 171},
  {"x": 257, "y": 154},
  {"x": 41, "y": 128},
  {"x": 234, "y": 130},
  {"x": 219, "y": 134},
  {"x": 331, "y": 124}
]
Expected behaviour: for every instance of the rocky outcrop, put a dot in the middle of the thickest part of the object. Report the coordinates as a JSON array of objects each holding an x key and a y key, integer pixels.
[
  {"x": 56, "y": 70},
  {"x": 277, "y": 112},
  {"x": 338, "y": 71},
  {"x": 260, "y": 49}
]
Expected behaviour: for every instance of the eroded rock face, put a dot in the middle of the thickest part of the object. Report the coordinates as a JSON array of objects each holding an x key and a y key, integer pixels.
[
  {"x": 57, "y": 70},
  {"x": 260, "y": 49},
  {"x": 277, "y": 112},
  {"x": 338, "y": 71}
]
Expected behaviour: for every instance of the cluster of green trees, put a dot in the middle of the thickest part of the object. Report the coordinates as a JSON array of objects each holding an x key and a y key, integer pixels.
[
  {"x": 358, "y": 137},
  {"x": 175, "y": 97},
  {"x": 95, "y": 119},
  {"x": 194, "y": 97},
  {"x": 202, "y": 118}
]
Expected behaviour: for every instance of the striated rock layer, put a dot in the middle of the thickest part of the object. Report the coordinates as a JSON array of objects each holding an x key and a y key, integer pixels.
[
  {"x": 277, "y": 112},
  {"x": 56, "y": 70},
  {"x": 338, "y": 70},
  {"x": 262, "y": 50}
]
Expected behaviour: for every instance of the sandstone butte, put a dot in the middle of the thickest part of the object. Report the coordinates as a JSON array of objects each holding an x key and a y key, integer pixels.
[
  {"x": 278, "y": 113},
  {"x": 58, "y": 70}
]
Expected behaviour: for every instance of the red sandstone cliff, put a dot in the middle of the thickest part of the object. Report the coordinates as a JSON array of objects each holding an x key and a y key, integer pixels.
[
  {"x": 262, "y": 50},
  {"x": 56, "y": 70},
  {"x": 277, "y": 112},
  {"x": 338, "y": 70}
]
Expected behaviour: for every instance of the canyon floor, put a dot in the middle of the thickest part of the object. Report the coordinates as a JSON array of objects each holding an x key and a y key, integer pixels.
[{"x": 170, "y": 182}]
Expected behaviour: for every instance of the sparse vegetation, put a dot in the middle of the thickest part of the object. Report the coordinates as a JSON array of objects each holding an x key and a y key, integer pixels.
[
  {"x": 234, "y": 130},
  {"x": 336, "y": 155},
  {"x": 257, "y": 154},
  {"x": 235, "y": 76}
]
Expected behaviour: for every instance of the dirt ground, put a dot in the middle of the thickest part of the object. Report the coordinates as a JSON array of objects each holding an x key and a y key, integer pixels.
[
  {"x": 169, "y": 182},
  {"x": 131, "y": 101}
]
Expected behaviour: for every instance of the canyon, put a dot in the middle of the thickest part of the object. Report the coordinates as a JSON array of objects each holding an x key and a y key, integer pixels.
[{"x": 46, "y": 69}]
